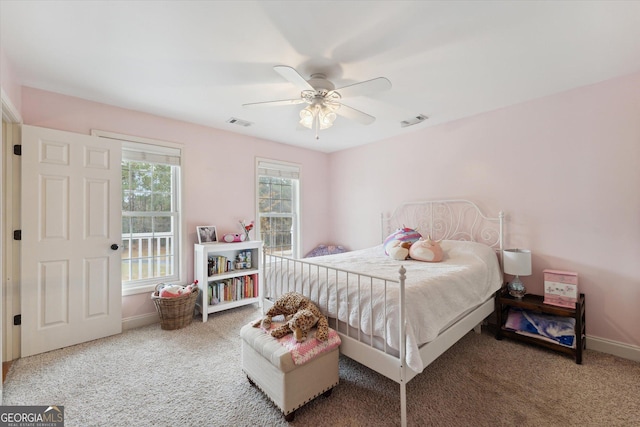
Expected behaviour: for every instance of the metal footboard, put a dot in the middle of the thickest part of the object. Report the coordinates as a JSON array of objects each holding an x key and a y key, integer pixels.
[
  {"x": 342, "y": 296},
  {"x": 319, "y": 282}
]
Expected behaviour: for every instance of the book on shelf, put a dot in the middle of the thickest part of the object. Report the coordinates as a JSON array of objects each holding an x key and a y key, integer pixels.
[
  {"x": 233, "y": 289},
  {"x": 218, "y": 264}
]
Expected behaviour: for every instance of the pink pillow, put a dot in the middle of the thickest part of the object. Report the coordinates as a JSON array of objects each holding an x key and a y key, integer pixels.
[{"x": 426, "y": 250}]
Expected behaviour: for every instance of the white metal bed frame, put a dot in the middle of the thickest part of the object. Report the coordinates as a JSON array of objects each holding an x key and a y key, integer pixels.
[{"x": 441, "y": 219}]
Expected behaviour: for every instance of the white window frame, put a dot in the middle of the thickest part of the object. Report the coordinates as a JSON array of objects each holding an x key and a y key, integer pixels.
[
  {"x": 284, "y": 170},
  {"x": 171, "y": 153}
]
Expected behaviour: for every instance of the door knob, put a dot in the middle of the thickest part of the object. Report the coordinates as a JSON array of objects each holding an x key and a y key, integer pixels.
[{"x": 115, "y": 247}]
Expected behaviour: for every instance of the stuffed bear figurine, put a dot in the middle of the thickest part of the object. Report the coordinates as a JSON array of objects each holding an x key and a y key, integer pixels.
[{"x": 289, "y": 305}]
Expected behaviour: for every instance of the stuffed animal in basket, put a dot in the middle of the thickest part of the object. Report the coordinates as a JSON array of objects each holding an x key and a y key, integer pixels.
[
  {"x": 301, "y": 315},
  {"x": 167, "y": 290}
]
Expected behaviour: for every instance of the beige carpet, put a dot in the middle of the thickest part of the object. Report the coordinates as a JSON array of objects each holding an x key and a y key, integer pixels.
[{"x": 192, "y": 377}]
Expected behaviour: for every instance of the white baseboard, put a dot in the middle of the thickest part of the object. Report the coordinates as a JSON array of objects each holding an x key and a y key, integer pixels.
[
  {"x": 138, "y": 321},
  {"x": 626, "y": 351}
]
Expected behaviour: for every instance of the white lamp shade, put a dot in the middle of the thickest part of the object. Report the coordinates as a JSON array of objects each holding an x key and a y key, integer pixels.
[
  {"x": 321, "y": 115},
  {"x": 306, "y": 117},
  {"x": 517, "y": 262}
]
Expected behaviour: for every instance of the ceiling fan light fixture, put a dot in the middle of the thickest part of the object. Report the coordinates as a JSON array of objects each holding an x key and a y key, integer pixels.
[
  {"x": 324, "y": 99},
  {"x": 326, "y": 119},
  {"x": 318, "y": 116},
  {"x": 326, "y": 116},
  {"x": 307, "y": 116}
]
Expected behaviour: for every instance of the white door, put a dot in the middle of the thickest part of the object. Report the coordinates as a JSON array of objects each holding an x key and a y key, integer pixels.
[{"x": 71, "y": 217}]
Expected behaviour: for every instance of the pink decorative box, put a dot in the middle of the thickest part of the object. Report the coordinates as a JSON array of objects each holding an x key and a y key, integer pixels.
[{"x": 560, "y": 288}]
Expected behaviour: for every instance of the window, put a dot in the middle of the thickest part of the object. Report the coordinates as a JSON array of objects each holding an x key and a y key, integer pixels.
[
  {"x": 151, "y": 220},
  {"x": 278, "y": 207}
]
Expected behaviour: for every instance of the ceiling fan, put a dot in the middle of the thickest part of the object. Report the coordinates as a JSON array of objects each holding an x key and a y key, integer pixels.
[{"x": 324, "y": 99}]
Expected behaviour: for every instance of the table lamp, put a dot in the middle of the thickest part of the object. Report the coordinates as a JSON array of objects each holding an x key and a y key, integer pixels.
[{"x": 517, "y": 262}]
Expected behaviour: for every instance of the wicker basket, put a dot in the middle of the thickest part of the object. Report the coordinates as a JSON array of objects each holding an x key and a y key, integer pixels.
[{"x": 176, "y": 313}]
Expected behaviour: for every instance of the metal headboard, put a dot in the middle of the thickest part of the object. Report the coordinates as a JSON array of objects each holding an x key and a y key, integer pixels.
[{"x": 447, "y": 220}]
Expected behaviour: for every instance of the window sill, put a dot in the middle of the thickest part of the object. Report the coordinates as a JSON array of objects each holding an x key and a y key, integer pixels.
[
  {"x": 139, "y": 289},
  {"x": 144, "y": 288},
  {"x": 149, "y": 285}
]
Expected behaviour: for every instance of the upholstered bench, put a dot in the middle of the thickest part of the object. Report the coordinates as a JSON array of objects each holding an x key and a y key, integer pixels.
[{"x": 270, "y": 366}]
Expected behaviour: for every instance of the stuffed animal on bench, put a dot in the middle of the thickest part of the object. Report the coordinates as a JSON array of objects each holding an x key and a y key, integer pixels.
[
  {"x": 299, "y": 324},
  {"x": 301, "y": 315}
]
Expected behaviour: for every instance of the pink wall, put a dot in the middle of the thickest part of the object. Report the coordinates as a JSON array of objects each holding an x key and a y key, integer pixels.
[
  {"x": 217, "y": 192},
  {"x": 565, "y": 169}
]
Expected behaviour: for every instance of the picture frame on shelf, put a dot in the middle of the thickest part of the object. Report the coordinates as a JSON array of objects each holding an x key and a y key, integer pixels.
[{"x": 206, "y": 234}]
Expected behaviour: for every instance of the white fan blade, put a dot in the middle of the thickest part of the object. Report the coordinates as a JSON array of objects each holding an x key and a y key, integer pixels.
[
  {"x": 364, "y": 88},
  {"x": 274, "y": 103},
  {"x": 293, "y": 76},
  {"x": 355, "y": 115}
]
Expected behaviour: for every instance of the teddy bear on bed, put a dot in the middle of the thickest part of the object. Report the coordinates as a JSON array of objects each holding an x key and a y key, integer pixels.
[{"x": 301, "y": 315}]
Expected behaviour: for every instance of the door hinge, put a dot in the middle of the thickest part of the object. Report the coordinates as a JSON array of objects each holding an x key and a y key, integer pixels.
[
  {"x": 17, "y": 234},
  {"x": 17, "y": 320},
  {"x": 17, "y": 150}
]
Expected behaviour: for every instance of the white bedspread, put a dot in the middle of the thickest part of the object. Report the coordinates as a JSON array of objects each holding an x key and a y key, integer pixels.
[{"x": 436, "y": 293}]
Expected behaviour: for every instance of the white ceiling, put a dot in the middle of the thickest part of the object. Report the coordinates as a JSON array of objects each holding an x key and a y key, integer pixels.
[{"x": 199, "y": 61}]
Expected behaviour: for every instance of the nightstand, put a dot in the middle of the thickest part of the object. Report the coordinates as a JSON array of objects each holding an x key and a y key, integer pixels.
[{"x": 534, "y": 303}]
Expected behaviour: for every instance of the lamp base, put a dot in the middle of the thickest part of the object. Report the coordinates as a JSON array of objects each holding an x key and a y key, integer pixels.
[{"x": 516, "y": 288}]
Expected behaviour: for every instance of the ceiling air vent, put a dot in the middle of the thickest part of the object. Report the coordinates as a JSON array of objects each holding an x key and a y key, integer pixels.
[
  {"x": 239, "y": 122},
  {"x": 413, "y": 120}
]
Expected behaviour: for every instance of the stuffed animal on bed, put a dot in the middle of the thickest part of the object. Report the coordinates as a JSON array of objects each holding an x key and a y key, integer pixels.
[
  {"x": 402, "y": 237},
  {"x": 426, "y": 250},
  {"x": 399, "y": 250},
  {"x": 301, "y": 315}
]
